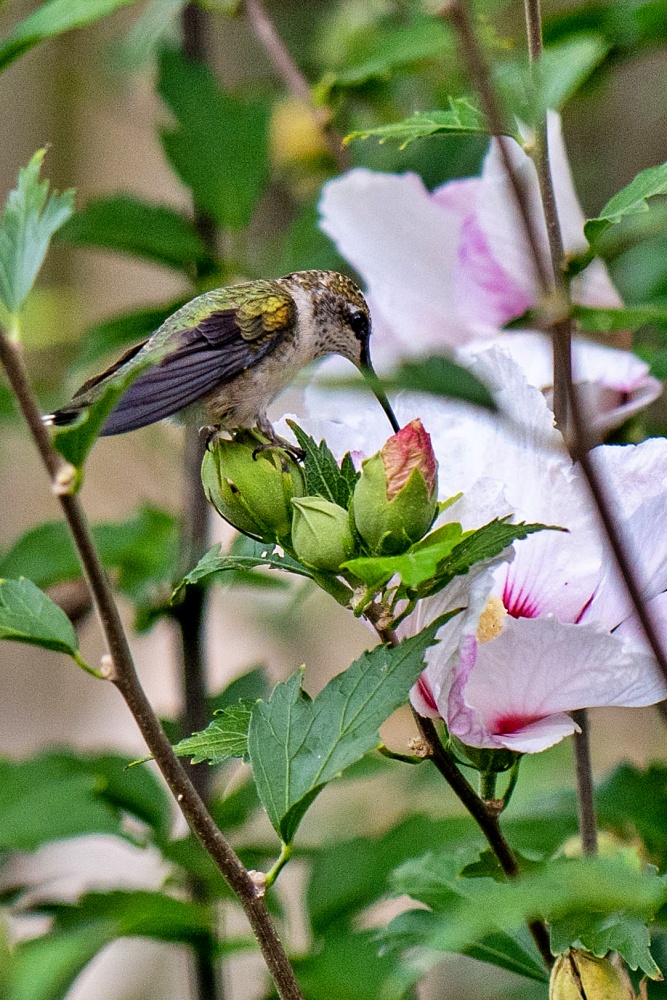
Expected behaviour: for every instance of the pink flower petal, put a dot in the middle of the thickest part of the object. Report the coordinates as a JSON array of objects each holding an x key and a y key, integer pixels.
[{"x": 537, "y": 669}]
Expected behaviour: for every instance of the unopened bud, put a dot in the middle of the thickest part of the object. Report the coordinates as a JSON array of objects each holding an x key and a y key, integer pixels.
[
  {"x": 395, "y": 498},
  {"x": 321, "y": 534},
  {"x": 579, "y": 974},
  {"x": 252, "y": 488}
]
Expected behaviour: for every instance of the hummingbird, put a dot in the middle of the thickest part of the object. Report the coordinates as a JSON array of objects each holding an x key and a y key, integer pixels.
[{"x": 234, "y": 349}]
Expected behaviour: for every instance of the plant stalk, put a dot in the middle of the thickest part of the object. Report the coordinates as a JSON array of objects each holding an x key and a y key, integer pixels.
[
  {"x": 122, "y": 673},
  {"x": 296, "y": 83}
]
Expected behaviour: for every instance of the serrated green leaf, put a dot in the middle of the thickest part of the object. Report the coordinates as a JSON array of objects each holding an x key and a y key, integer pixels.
[
  {"x": 75, "y": 441},
  {"x": 54, "y": 18},
  {"x": 323, "y": 476},
  {"x": 225, "y": 737},
  {"x": 485, "y": 543},
  {"x": 631, "y": 200},
  {"x": 27, "y": 615},
  {"x": 560, "y": 888},
  {"x": 220, "y": 145},
  {"x": 629, "y": 936},
  {"x": 130, "y": 225},
  {"x": 122, "y": 331},
  {"x": 215, "y": 562},
  {"x": 418, "y": 564},
  {"x": 297, "y": 745},
  {"x": 462, "y": 118},
  {"x": 440, "y": 377},
  {"x": 46, "y": 967},
  {"x": 29, "y": 219}
]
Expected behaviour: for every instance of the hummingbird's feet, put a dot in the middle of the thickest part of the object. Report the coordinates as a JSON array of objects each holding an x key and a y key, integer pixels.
[
  {"x": 265, "y": 427},
  {"x": 296, "y": 453}
]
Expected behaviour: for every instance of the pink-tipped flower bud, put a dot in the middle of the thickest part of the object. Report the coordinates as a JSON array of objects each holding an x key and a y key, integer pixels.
[{"x": 395, "y": 499}]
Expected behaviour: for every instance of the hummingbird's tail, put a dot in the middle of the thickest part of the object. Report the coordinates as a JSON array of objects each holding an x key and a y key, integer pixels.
[{"x": 61, "y": 418}]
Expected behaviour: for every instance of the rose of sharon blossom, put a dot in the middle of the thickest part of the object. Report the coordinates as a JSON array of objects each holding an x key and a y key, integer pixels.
[
  {"x": 447, "y": 270},
  {"x": 550, "y": 630}
]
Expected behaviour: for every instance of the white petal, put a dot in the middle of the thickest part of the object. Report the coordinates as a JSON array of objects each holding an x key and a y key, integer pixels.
[
  {"x": 404, "y": 244},
  {"x": 539, "y": 668}
]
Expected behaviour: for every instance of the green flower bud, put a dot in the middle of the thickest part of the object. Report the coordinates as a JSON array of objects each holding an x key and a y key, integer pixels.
[
  {"x": 321, "y": 534},
  {"x": 395, "y": 499},
  {"x": 578, "y": 974},
  {"x": 252, "y": 489}
]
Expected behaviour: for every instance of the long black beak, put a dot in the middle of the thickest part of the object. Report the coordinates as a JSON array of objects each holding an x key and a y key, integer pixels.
[{"x": 368, "y": 372}]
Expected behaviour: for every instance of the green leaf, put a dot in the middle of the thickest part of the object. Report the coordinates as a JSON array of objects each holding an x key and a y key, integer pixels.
[
  {"x": 297, "y": 745},
  {"x": 156, "y": 25},
  {"x": 348, "y": 875},
  {"x": 225, "y": 737},
  {"x": 127, "y": 224},
  {"x": 599, "y": 320},
  {"x": 347, "y": 966},
  {"x": 441, "y": 377},
  {"x": 383, "y": 51},
  {"x": 137, "y": 914},
  {"x": 629, "y": 936},
  {"x": 306, "y": 246},
  {"x": 27, "y": 615},
  {"x": 51, "y": 19},
  {"x": 485, "y": 543},
  {"x": 418, "y": 564},
  {"x": 562, "y": 70},
  {"x": 75, "y": 441},
  {"x": 324, "y": 478},
  {"x": 215, "y": 561},
  {"x": 46, "y": 967},
  {"x": 29, "y": 220},
  {"x": 631, "y": 200},
  {"x": 560, "y": 888},
  {"x": 122, "y": 331},
  {"x": 219, "y": 147},
  {"x": 462, "y": 118},
  {"x": 143, "y": 550},
  {"x": 61, "y": 794},
  {"x": 632, "y": 802}
]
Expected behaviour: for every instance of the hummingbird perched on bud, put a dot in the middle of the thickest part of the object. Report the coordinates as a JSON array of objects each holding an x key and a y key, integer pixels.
[{"x": 234, "y": 349}]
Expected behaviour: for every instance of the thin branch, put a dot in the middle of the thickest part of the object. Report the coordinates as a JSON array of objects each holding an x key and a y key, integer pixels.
[
  {"x": 586, "y": 794},
  {"x": 486, "y": 818},
  {"x": 563, "y": 395},
  {"x": 121, "y": 671},
  {"x": 296, "y": 83}
]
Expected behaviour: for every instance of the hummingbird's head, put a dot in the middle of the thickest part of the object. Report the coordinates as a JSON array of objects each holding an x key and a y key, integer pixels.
[{"x": 342, "y": 324}]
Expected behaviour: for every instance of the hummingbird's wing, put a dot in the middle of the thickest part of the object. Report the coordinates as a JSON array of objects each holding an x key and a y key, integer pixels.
[{"x": 195, "y": 360}]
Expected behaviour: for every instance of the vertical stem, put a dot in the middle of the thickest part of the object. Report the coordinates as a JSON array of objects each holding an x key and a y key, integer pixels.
[
  {"x": 563, "y": 391},
  {"x": 191, "y": 613},
  {"x": 585, "y": 792}
]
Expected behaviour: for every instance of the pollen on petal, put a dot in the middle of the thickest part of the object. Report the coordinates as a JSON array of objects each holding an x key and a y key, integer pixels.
[{"x": 491, "y": 620}]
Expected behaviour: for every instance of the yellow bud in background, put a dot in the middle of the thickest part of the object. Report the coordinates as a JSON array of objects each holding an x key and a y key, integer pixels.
[
  {"x": 296, "y": 137},
  {"x": 578, "y": 975}
]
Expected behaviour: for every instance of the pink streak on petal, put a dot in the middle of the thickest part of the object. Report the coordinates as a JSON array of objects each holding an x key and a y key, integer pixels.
[
  {"x": 484, "y": 290},
  {"x": 512, "y": 723},
  {"x": 423, "y": 700}
]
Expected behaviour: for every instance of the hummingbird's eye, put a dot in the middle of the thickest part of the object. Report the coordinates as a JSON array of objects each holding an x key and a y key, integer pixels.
[{"x": 358, "y": 320}]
